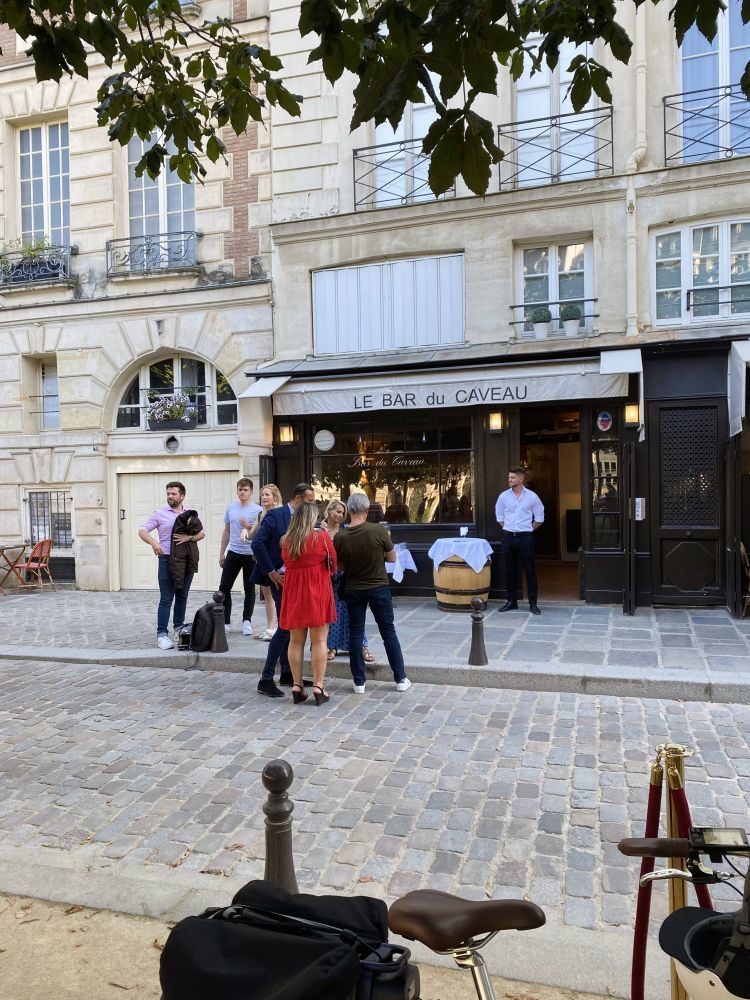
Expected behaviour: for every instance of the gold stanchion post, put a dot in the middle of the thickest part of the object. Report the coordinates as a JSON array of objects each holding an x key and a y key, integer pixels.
[{"x": 674, "y": 758}]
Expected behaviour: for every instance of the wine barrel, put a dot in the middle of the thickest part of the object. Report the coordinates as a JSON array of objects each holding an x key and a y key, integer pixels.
[{"x": 456, "y": 584}]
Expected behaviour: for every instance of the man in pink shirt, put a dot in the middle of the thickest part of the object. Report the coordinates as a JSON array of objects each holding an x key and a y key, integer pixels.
[{"x": 163, "y": 521}]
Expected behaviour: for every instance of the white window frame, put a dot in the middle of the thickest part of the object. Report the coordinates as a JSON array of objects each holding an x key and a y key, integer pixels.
[
  {"x": 212, "y": 402},
  {"x": 49, "y": 408},
  {"x": 687, "y": 316},
  {"x": 587, "y": 323},
  {"x": 30, "y": 237},
  {"x": 161, "y": 183}
]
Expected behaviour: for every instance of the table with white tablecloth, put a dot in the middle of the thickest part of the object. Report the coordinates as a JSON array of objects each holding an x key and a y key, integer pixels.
[
  {"x": 461, "y": 572},
  {"x": 474, "y": 551},
  {"x": 404, "y": 561}
]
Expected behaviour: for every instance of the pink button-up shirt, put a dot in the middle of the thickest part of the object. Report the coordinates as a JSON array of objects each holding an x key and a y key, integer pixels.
[{"x": 163, "y": 520}]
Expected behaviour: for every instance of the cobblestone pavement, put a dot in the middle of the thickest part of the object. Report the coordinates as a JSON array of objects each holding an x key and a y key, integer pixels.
[
  {"x": 488, "y": 793},
  {"x": 688, "y": 653}
]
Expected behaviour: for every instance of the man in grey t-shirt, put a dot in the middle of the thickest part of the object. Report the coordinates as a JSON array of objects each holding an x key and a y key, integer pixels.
[
  {"x": 236, "y": 555},
  {"x": 362, "y": 550}
]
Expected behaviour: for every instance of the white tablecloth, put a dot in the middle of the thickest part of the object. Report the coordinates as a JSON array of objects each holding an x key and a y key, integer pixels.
[
  {"x": 473, "y": 551},
  {"x": 404, "y": 561}
]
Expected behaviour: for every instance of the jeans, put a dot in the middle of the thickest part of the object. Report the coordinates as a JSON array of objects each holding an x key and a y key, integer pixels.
[
  {"x": 233, "y": 563},
  {"x": 169, "y": 594},
  {"x": 519, "y": 546},
  {"x": 279, "y": 644},
  {"x": 378, "y": 599}
]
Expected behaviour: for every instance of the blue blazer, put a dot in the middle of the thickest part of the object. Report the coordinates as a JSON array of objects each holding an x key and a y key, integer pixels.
[{"x": 267, "y": 544}]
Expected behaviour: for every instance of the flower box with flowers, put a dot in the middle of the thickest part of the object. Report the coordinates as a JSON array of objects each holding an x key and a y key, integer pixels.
[{"x": 176, "y": 412}]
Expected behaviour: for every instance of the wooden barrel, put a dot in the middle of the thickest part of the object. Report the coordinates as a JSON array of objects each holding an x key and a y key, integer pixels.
[{"x": 456, "y": 584}]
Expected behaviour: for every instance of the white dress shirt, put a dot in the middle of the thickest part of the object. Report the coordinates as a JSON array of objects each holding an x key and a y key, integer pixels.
[{"x": 516, "y": 512}]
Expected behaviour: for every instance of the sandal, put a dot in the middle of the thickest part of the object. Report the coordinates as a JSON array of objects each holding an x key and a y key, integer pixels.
[
  {"x": 300, "y": 695},
  {"x": 320, "y": 695},
  {"x": 332, "y": 654},
  {"x": 368, "y": 655}
]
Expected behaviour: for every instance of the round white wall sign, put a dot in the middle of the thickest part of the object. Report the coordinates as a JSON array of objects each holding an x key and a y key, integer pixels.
[{"x": 324, "y": 440}]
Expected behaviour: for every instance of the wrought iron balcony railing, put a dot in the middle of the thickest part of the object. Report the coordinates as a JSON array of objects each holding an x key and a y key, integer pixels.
[
  {"x": 522, "y": 312},
  {"x": 710, "y": 124},
  {"x": 51, "y": 264},
  {"x": 144, "y": 254},
  {"x": 560, "y": 148},
  {"x": 719, "y": 300},
  {"x": 393, "y": 173}
]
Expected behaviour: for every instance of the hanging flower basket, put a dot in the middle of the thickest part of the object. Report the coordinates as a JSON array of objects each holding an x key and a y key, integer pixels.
[{"x": 172, "y": 413}]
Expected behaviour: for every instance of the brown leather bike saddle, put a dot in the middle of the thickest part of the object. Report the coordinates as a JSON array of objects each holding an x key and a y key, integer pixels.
[{"x": 444, "y": 922}]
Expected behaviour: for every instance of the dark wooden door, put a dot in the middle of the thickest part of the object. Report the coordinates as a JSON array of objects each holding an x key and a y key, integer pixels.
[
  {"x": 734, "y": 568},
  {"x": 687, "y": 484}
]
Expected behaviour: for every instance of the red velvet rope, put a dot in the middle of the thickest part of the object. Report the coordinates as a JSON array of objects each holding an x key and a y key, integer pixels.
[{"x": 643, "y": 904}]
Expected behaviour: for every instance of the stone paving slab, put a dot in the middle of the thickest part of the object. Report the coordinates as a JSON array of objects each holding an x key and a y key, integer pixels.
[{"x": 142, "y": 788}]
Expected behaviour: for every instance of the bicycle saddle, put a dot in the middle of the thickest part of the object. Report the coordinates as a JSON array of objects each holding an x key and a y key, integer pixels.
[{"x": 443, "y": 922}]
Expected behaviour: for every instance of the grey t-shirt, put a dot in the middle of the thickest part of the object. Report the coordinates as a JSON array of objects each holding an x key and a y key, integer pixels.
[{"x": 235, "y": 511}]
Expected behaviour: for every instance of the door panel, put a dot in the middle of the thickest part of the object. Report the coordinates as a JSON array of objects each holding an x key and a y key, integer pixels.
[
  {"x": 142, "y": 493},
  {"x": 687, "y": 497}
]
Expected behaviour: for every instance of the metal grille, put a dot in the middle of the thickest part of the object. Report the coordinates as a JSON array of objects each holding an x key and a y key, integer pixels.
[
  {"x": 393, "y": 173},
  {"x": 50, "y": 517},
  {"x": 19, "y": 267},
  {"x": 143, "y": 254},
  {"x": 689, "y": 467},
  {"x": 710, "y": 124}
]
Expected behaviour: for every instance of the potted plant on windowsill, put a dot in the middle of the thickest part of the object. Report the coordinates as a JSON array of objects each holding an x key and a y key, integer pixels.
[
  {"x": 175, "y": 412},
  {"x": 541, "y": 319},
  {"x": 570, "y": 316},
  {"x": 33, "y": 260}
]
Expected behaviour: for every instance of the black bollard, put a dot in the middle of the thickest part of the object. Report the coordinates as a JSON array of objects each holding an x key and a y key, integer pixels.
[
  {"x": 219, "y": 638},
  {"x": 477, "y": 653},
  {"x": 277, "y": 777}
]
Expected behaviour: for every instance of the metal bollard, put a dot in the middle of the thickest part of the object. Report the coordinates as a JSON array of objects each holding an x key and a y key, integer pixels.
[
  {"x": 277, "y": 777},
  {"x": 477, "y": 653},
  {"x": 219, "y": 638}
]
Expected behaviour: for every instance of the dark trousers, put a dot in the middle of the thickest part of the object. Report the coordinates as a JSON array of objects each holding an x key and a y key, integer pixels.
[
  {"x": 519, "y": 546},
  {"x": 169, "y": 593},
  {"x": 278, "y": 647},
  {"x": 378, "y": 599},
  {"x": 233, "y": 563}
]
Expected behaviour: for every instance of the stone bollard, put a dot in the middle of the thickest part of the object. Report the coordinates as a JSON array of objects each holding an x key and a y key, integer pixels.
[
  {"x": 219, "y": 638},
  {"x": 477, "y": 653},
  {"x": 277, "y": 777}
]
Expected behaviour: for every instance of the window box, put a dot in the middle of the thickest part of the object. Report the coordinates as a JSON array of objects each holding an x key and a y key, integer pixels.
[{"x": 175, "y": 424}]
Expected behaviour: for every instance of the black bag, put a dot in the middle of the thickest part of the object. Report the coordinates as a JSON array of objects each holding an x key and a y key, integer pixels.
[
  {"x": 271, "y": 945},
  {"x": 202, "y": 629}
]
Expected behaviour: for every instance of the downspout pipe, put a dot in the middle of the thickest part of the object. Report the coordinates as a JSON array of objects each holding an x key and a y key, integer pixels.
[{"x": 631, "y": 168}]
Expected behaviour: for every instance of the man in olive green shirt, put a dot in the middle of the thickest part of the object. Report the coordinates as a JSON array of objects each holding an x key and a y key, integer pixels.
[{"x": 362, "y": 551}]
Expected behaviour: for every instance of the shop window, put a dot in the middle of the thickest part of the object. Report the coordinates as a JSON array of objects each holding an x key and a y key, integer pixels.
[
  {"x": 384, "y": 307},
  {"x": 606, "y": 505},
  {"x": 49, "y": 516},
  {"x": 207, "y": 389},
  {"x": 702, "y": 273},
  {"x": 555, "y": 276},
  {"x": 414, "y": 470}
]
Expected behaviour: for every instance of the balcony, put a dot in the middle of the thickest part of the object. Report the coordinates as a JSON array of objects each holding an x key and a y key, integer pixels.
[
  {"x": 18, "y": 267},
  {"x": 702, "y": 125},
  {"x": 723, "y": 301},
  {"x": 552, "y": 150},
  {"x": 393, "y": 173},
  {"x": 151, "y": 254},
  {"x": 522, "y": 311}
]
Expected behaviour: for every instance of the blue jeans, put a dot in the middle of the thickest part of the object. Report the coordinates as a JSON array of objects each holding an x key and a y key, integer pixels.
[
  {"x": 378, "y": 599},
  {"x": 169, "y": 594},
  {"x": 279, "y": 645}
]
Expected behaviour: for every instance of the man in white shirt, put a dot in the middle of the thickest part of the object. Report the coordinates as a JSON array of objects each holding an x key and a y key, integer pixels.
[{"x": 519, "y": 512}]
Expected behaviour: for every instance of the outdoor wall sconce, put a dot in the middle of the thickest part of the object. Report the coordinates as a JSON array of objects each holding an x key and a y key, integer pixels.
[
  {"x": 286, "y": 433},
  {"x": 496, "y": 422},
  {"x": 632, "y": 414}
]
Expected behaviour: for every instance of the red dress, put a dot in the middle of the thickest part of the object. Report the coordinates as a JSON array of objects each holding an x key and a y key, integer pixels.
[{"x": 307, "y": 595}]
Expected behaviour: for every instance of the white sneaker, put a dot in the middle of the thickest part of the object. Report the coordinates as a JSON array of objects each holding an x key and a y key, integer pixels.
[
  {"x": 403, "y": 685},
  {"x": 359, "y": 689},
  {"x": 268, "y": 634},
  {"x": 164, "y": 642},
  {"x": 247, "y": 628},
  {"x": 227, "y": 627}
]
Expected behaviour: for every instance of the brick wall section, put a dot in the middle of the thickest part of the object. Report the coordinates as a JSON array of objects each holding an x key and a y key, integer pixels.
[
  {"x": 239, "y": 10},
  {"x": 241, "y": 191},
  {"x": 8, "y": 45}
]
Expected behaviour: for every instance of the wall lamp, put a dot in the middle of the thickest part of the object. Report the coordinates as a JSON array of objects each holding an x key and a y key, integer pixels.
[
  {"x": 497, "y": 422},
  {"x": 286, "y": 433},
  {"x": 632, "y": 414}
]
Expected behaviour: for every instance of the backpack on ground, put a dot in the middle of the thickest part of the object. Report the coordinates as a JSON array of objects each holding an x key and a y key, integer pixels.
[{"x": 202, "y": 629}]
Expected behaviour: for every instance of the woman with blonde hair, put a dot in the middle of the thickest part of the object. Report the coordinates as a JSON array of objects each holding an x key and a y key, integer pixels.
[
  {"x": 270, "y": 497},
  {"x": 307, "y": 604},
  {"x": 338, "y": 633}
]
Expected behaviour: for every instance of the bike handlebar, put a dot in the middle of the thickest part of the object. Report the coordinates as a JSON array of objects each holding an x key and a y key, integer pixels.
[{"x": 655, "y": 847}]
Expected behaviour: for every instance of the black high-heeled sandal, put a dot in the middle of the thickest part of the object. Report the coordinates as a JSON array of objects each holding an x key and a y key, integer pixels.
[
  {"x": 320, "y": 695},
  {"x": 299, "y": 695}
]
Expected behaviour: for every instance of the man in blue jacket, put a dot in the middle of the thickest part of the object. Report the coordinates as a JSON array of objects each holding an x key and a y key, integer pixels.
[{"x": 268, "y": 562}]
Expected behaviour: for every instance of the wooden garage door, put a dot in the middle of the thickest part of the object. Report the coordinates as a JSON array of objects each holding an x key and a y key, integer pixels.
[{"x": 141, "y": 493}]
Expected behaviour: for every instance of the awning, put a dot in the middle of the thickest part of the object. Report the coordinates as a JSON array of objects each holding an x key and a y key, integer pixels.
[
  {"x": 629, "y": 362},
  {"x": 264, "y": 387},
  {"x": 459, "y": 387},
  {"x": 736, "y": 392}
]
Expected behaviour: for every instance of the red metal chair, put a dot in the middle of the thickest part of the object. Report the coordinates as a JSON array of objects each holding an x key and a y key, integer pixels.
[{"x": 36, "y": 564}]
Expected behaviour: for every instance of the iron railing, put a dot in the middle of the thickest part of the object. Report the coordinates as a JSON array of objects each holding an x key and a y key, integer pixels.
[
  {"x": 393, "y": 173},
  {"x": 560, "y": 148},
  {"x": 144, "y": 254},
  {"x": 51, "y": 264},
  {"x": 554, "y": 306},
  {"x": 50, "y": 517},
  {"x": 715, "y": 300},
  {"x": 709, "y": 124}
]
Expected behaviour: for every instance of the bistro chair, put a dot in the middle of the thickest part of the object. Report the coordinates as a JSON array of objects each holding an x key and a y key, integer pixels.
[
  {"x": 36, "y": 564},
  {"x": 746, "y": 581}
]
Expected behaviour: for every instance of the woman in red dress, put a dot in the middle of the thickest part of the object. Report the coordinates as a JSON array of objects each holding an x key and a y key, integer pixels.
[{"x": 309, "y": 560}]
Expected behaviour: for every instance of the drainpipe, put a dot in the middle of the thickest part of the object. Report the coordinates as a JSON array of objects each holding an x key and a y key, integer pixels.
[{"x": 631, "y": 168}]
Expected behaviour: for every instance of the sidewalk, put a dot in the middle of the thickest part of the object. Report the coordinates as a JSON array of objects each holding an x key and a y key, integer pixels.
[{"x": 701, "y": 655}]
